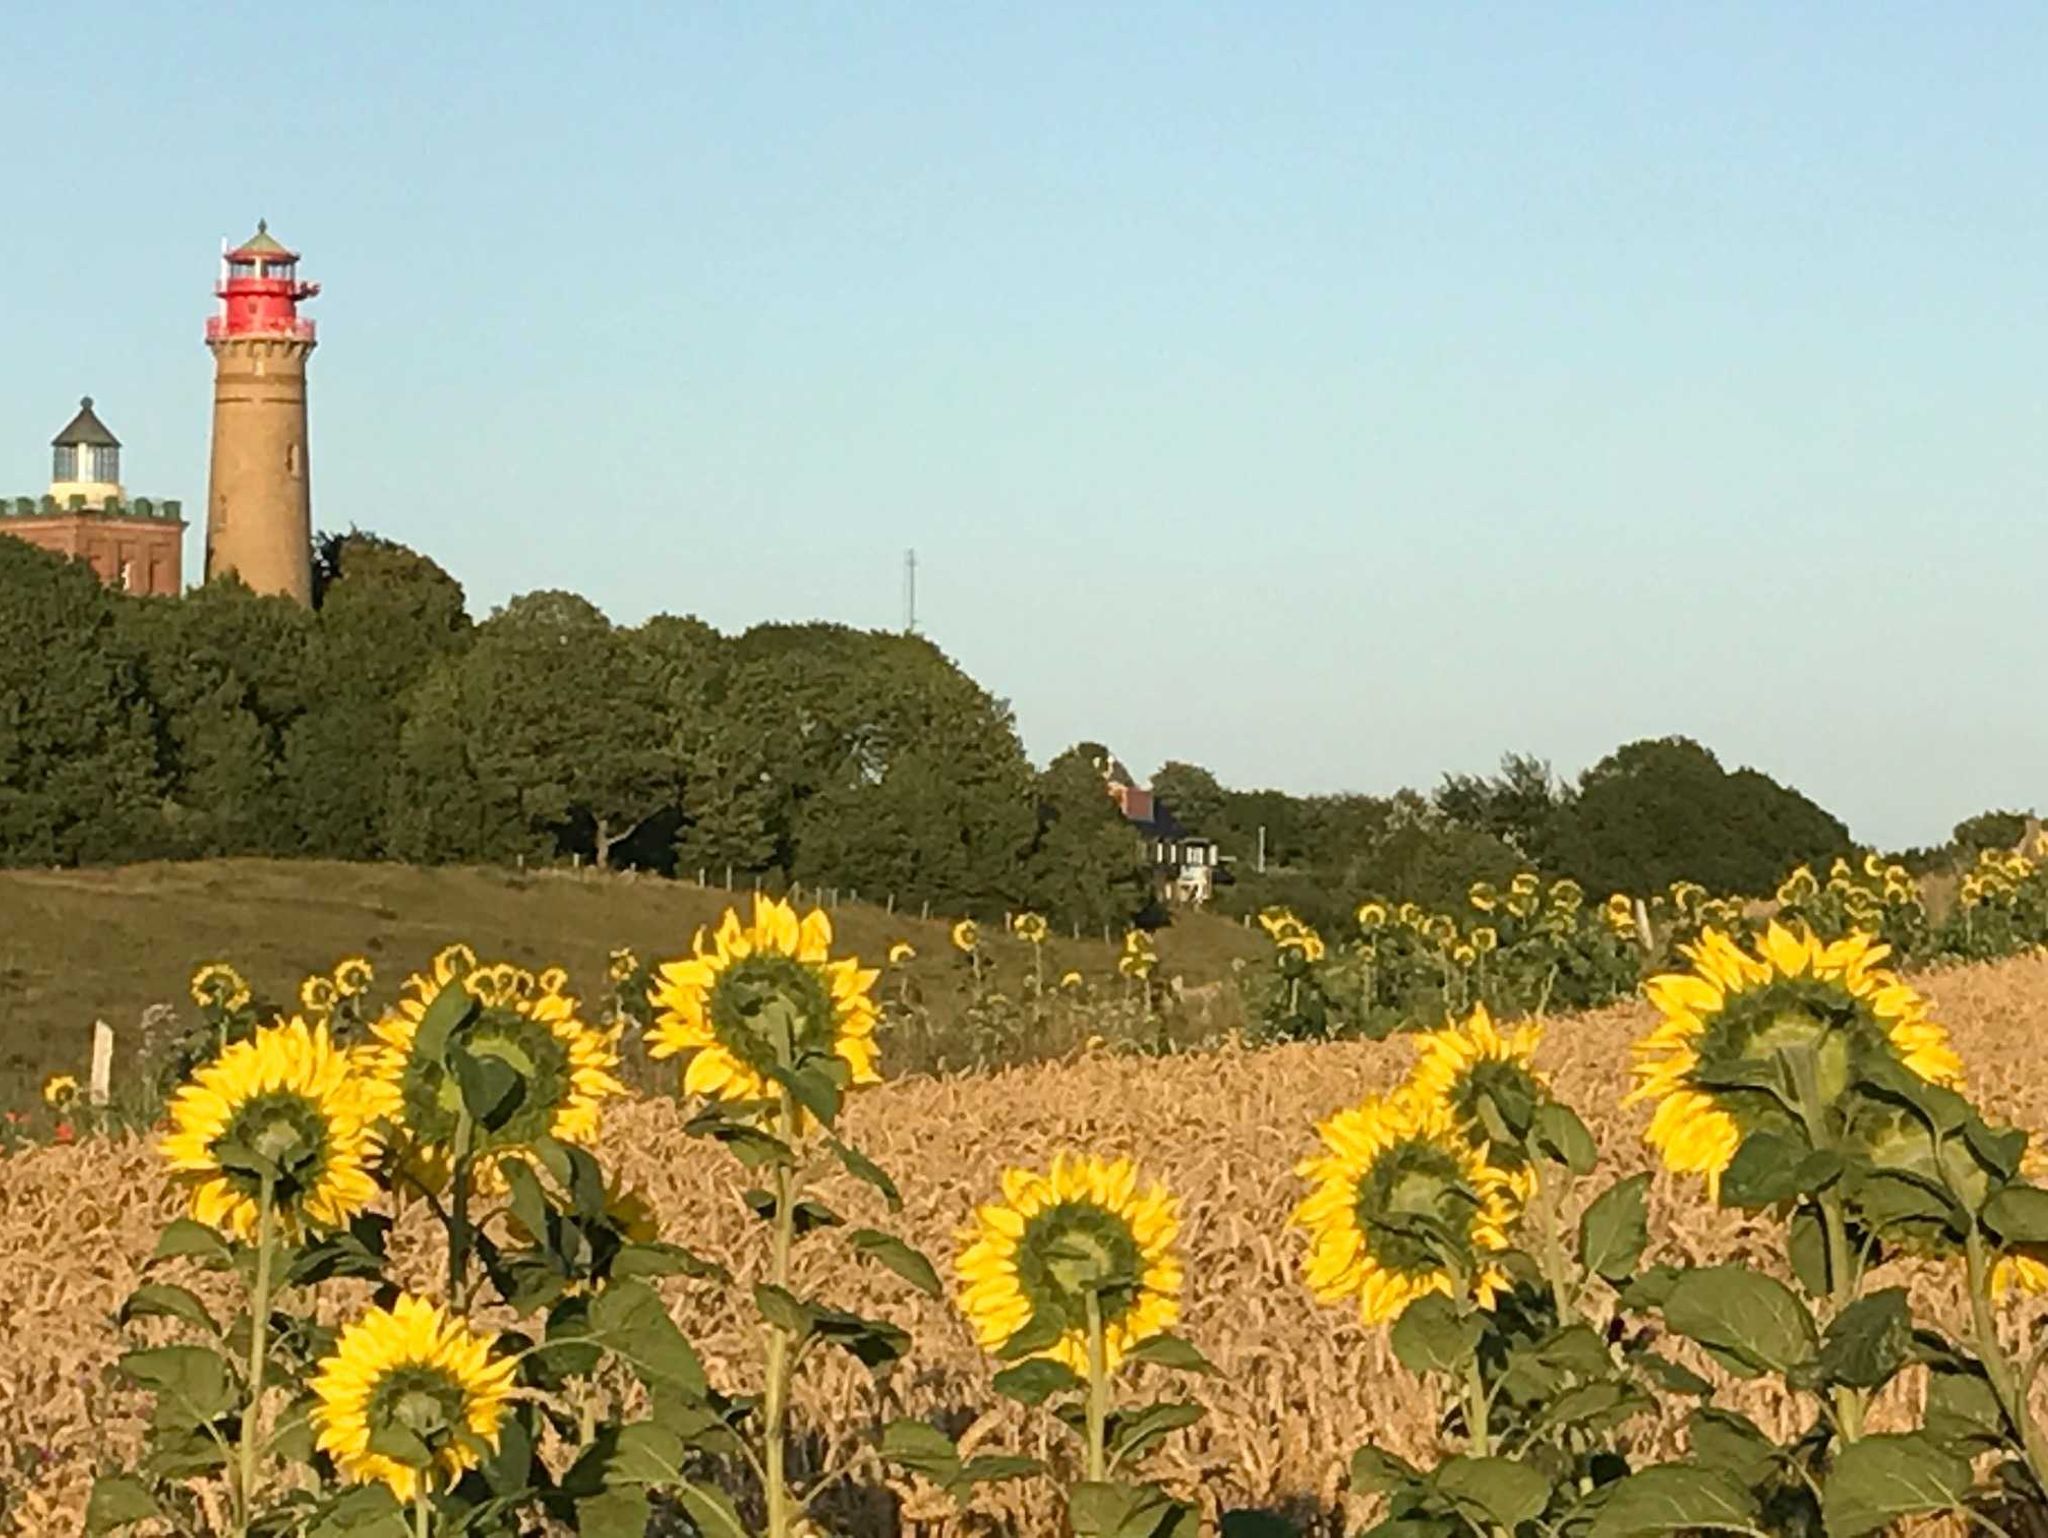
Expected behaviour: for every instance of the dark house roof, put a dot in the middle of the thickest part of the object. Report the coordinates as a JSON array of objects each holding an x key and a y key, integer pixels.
[{"x": 86, "y": 431}]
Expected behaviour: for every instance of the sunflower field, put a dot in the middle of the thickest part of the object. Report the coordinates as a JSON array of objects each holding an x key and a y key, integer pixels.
[
  {"x": 1536, "y": 946},
  {"x": 1759, "y": 1254}
]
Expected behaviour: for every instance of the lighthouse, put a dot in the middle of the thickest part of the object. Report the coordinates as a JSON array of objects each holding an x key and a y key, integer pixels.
[{"x": 259, "y": 503}]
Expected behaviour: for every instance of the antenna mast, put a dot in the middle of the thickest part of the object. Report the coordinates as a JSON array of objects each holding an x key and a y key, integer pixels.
[{"x": 910, "y": 592}]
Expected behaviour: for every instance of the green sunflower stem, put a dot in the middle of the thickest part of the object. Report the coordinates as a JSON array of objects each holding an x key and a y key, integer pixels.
[
  {"x": 1544, "y": 1210},
  {"x": 2010, "y": 1388},
  {"x": 422, "y": 1513},
  {"x": 259, "y": 1350},
  {"x": 1098, "y": 1393},
  {"x": 461, "y": 1236},
  {"x": 1844, "y": 1268},
  {"x": 783, "y": 1512},
  {"x": 1478, "y": 1405}
]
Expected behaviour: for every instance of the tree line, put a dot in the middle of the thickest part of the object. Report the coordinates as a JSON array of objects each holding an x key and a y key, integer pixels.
[{"x": 384, "y": 723}]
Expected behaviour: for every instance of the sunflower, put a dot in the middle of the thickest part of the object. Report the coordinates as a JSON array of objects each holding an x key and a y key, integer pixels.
[
  {"x": 1403, "y": 1206},
  {"x": 1071, "y": 980},
  {"x": 526, "y": 1023},
  {"x": 353, "y": 976},
  {"x": 286, "y": 1099},
  {"x": 59, "y": 1090},
  {"x": 1483, "y": 896},
  {"x": 219, "y": 986},
  {"x": 1372, "y": 916},
  {"x": 1738, "y": 1012},
  {"x": 764, "y": 996},
  {"x": 901, "y": 952},
  {"x": 318, "y": 995},
  {"x": 621, "y": 964},
  {"x": 410, "y": 1373},
  {"x": 1525, "y": 884},
  {"x": 1473, "y": 1068},
  {"x": 1031, "y": 928},
  {"x": 967, "y": 937},
  {"x": 1081, "y": 1227}
]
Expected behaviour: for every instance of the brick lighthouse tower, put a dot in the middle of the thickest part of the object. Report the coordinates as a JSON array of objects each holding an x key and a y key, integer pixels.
[{"x": 259, "y": 504}]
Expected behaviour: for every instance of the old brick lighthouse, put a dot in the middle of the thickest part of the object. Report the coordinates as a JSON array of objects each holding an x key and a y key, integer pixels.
[{"x": 259, "y": 502}]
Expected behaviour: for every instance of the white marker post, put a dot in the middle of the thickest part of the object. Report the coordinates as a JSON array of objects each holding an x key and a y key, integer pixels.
[{"x": 101, "y": 1088}]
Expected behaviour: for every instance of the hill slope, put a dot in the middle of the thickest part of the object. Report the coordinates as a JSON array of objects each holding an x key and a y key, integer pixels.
[{"x": 84, "y": 945}]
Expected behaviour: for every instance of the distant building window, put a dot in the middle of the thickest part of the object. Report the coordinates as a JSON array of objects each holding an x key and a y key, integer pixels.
[
  {"x": 64, "y": 464},
  {"x": 292, "y": 461},
  {"x": 106, "y": 463}
]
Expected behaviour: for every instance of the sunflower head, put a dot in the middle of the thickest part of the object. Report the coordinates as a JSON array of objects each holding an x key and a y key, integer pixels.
[
  {"x": 318, "y": 995},
  {"x": 966, "y": 937},
  {"x": 1487, "y": 1079},
  {"x": 1483, "y": 896},
  {"x": 1402, "y": 1205},
  {"x": 59, "y": 1091},
  {"x": 219, "y": 986},
  {"x": 283, "y": 1108},
  {"x": 1031, "y": 928},
  {"x": 1083, "y": 1228},
  {"x": 410, "y": 1398},
  {"x": 1619, "y": 914},
  {"x": 1747, "y": 1035},
  {"x": 901, "y": 952},
  {"x": 1070, "y": 980},
  {"x": 1372, "y": 916},
  {"x": 620, "y": 964},
  {"x": 758, "y": 1002},
  {"x": 353, "y": 976},
  {"x": 1526, "y": 883},
  {"x": 488, "y": 1054}
]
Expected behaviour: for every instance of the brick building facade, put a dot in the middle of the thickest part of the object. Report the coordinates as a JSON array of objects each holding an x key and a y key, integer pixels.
[{"x": 136, "y": 545}]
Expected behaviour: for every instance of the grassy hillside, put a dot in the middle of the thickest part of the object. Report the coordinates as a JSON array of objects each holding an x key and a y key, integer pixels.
[{"x": 85, "y": 945}]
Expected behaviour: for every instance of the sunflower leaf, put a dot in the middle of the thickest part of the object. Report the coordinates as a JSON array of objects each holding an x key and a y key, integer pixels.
[
  {"x": 1099, "y": 1509},
  {"x": 357, "y": 1251},
  {"x": 1673, "y": 1498},
  {"x": 400, "y": 1445},
  {"x": 1616, "y": 1229},
  {"x": 452, "y": 1007},
  {"x": 1559, "y": 1135},
  {"x": 664, "y": 1259},
  {"x": 1172, "y": 1351},
  {"x": 1135, "y": 1431},
  {"x": 1040, "y": 1333},
  {"x": 861, "y": 1167},
  {"x": 118, "y": 1501},
  {"x": 785, "y": 1310},
  {"x": 874, "y": 1343},
  {"x": 1036, "y": 1381},
  {"x": 1744, "y": 1317},
  {"x": 1880, "y": 1479},
  {"x": 1430, "y": 1336},
  {"x": 529, "y": 1203},
  {"x": 167, "y": 1300},
  {"x": 1375, "y": 1471},
  {"x": 1869, "y": 1341},
  {"x": 2018, "y": 1214},
  {"x": 190, "y": 1382},
  {"x": 184, "y": 1237},
  {"x": 631, "y": 1321},
  {"x": 906, "y": 1262},
  {"x": 1497, "y": 1491}
]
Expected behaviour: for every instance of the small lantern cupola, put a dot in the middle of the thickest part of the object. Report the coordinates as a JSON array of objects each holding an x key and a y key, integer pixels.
[
  {"x": 85, "y": 461},
  {"x": 260, "y": 291}
]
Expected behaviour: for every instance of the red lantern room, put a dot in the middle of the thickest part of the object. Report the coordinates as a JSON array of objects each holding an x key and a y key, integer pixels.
[{"x": 260, "y": 291}]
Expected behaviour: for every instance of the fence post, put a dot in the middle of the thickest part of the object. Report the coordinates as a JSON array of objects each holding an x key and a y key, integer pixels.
[{"x": 100, "y": 1089}]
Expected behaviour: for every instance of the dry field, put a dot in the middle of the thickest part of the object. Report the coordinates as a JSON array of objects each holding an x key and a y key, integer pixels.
[{"x": 1299, "y": 1387}]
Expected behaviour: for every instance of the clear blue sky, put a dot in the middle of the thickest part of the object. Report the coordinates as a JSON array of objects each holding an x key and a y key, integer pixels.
[{"x": 1328, "y": 395}]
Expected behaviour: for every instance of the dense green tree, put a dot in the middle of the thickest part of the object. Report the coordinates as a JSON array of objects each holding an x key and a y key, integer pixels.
[
  {"x": 1663, "y": 810},
  {"x": 225, "y": 670},
  {"x": 1198, "y": 802},
  {"x": 385, "y": 615},
  {"x": 915, "y": 782},
  {"x": 1989, "y": 830},
  {"x": 1087, "y": 866},
  {"x": 1519, "y": 805},
  {"x": 553, "y": 720},
  {"x": 79, "y": 772}
]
